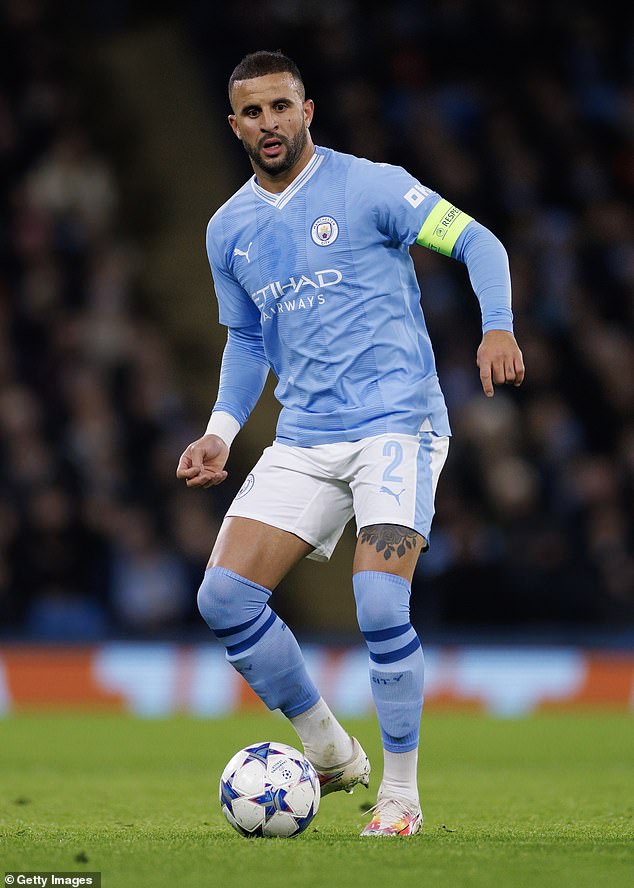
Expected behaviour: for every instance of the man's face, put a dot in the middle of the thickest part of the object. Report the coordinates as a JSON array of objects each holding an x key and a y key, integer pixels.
[{"x": 271, "y": 118}]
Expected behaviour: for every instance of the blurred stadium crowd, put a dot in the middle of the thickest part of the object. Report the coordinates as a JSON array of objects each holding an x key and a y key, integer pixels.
[
  {"x": 521, "y": 115},
  {"x": 94, "y": 533}
]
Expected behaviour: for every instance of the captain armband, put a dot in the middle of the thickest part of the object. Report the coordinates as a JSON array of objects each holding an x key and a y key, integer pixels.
[{"x": 443, "y": 227}]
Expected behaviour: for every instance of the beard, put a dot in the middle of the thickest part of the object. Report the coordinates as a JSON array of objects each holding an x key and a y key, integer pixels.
[{"x": 275, "y": 166}]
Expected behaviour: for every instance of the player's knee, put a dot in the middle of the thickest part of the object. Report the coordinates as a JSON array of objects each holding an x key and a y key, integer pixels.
[
  {"x": 226, "y": 600},
  {"x": 214, "y": 600},
  {"x": 382, "y": 600}
]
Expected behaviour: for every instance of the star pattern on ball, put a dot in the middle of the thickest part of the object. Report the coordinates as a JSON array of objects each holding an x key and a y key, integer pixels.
[
  {"x": 273, "y": 800},
  {"x": 259, "y": 753}
]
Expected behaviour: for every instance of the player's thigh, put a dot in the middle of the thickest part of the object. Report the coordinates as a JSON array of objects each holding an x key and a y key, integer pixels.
[
  {"x": 287, "y": 509},
  {"x": 393, "y": 488},
  {"x": 257, "y": 551}
]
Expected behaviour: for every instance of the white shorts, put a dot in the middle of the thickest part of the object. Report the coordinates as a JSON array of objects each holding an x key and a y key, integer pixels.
[{"x": 314, "y": 491}]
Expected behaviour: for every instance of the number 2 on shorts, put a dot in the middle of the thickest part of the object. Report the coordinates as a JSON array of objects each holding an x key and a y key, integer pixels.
[{"x": 394, "y": 450}]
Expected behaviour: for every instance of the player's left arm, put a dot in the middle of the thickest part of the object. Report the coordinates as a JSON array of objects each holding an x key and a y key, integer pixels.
[
  {"x": 408, "y": 213},
  {"x": 499, "y": 358},
  {"x": 448, "y": 230}
]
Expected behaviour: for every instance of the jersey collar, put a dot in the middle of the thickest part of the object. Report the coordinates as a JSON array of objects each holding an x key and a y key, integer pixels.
[{"x": 280, "y": 200}]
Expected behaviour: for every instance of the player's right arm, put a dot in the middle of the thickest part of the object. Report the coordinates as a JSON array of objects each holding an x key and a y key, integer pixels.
[{"x": 242, "y": 376}]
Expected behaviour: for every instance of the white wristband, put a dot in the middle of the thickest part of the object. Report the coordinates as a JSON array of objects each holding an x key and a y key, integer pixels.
[{"x": 224, "y": 425}]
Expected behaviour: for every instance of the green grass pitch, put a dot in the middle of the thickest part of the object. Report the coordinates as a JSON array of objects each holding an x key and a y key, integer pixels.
[{"x": 543, "y": 801}]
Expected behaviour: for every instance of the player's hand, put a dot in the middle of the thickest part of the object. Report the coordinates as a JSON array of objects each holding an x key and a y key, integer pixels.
[
  {"x": 500, "y": 361},
  {"x": 202, "y": 463}
]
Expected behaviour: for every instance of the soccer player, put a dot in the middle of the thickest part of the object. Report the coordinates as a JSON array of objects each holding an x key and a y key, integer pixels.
[{"x": 314, "y": 280}]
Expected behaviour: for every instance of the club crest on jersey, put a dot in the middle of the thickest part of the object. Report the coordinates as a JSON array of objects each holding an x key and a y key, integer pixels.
[{"x": 324, "y": 231}]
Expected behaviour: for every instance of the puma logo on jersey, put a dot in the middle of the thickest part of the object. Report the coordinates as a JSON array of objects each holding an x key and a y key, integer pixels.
[
  {"x": 397, "y": 496},
  {"x": 237, "y": 252}
]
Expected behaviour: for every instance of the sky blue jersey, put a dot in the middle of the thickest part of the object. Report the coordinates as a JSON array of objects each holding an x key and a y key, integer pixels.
[{"x": 322, "y": 272}]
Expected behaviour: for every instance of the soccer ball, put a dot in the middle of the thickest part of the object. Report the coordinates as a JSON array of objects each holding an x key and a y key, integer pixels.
[{"x": 269, "y": 789}]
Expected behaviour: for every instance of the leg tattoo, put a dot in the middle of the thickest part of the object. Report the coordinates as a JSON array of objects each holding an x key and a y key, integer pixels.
[{"x": 391, "y": 539}]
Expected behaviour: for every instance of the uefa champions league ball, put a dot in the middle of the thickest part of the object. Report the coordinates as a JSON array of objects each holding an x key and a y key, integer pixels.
[{"x": 269, "y": 789}]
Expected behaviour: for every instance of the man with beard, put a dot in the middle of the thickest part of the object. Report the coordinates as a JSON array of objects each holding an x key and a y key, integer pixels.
[{"x": 312, "y": 272}]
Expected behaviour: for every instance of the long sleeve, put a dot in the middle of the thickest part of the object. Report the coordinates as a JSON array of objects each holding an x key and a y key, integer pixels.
[
  {"x": 408, "y": 212},
  {"x": 488, "y": 267},
  {"x": 243, "y": 372}
]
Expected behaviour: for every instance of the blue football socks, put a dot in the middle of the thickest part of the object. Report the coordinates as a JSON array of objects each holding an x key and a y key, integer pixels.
[
  {"x": 258, "y": 644},
  {"x": 396, "y": 656}
]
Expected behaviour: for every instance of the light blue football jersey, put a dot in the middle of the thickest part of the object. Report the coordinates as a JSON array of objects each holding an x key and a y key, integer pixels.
[{"x": 324, "y": 268}]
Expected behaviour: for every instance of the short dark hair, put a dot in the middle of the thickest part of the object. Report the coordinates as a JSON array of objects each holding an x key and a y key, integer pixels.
[{"x": 263, "y": 62}]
